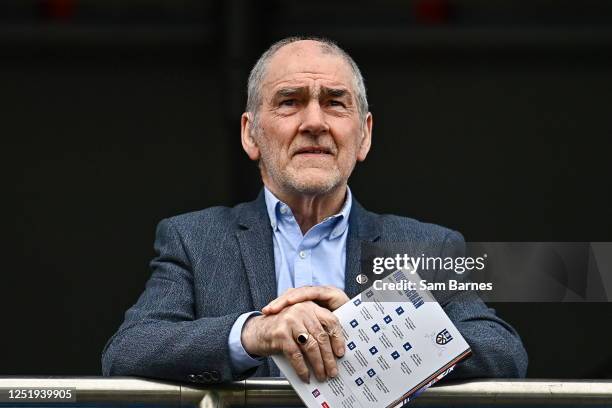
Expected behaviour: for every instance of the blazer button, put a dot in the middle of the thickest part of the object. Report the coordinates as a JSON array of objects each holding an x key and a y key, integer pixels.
[
  {"x": 215, "y": 376},
  {"x": 192, "y": 377},
  {"x": 207, "y": 376},
  {"x": 200, "y": 378}
]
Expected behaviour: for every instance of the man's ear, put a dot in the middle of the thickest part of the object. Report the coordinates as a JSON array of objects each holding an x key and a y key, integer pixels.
[
  {"x": 366, "y": 138},
  {"x": 246, "y": 135}
]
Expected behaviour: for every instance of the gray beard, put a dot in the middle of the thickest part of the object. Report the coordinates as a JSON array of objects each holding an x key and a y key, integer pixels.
[
  {"x": 282, "y": 178},
  {"x": 285, "y": 181}
]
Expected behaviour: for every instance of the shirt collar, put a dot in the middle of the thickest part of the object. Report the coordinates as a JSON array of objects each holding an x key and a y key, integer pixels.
[{"x": 273, "y": 205}]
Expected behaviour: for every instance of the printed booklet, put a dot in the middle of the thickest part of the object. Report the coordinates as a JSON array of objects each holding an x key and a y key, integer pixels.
[{"x": 398, "y": 343}]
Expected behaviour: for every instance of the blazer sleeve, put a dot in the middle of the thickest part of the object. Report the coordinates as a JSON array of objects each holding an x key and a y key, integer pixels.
[
  {"x": 160, "y": 336},
  {"x": 497, "y": 350}
]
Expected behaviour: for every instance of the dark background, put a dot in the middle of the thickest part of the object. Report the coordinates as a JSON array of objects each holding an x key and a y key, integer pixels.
[{"x": 491, "y": 117}]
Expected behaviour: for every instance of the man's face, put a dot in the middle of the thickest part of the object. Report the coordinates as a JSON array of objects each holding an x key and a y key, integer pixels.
[{"x": 309, "y": 134}]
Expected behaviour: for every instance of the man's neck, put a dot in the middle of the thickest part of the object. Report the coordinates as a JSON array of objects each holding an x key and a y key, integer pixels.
[{"x": 309, "y": 210}]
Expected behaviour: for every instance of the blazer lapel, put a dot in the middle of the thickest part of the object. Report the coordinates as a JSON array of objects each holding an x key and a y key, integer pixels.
[
  {"x": 257, "y": 249},
  {"x": 363, "y": 227}
]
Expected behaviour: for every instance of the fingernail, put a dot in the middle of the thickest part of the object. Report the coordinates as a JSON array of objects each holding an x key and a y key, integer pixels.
[
  {"x": 334, "y": 372},
  {"x": 340, "y": 351}
]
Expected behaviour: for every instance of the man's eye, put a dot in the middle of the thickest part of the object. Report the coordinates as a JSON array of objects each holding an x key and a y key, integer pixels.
[
  {"x": 287, "y": 102},
  {"x": 336, "y": 103}
]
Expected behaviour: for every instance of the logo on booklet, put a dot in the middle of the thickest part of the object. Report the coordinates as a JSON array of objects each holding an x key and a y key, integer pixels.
[
  {"x": 316, "y": 393},
  {"x": 444, "y": 337},
  {"x": 324, "y": 404}
]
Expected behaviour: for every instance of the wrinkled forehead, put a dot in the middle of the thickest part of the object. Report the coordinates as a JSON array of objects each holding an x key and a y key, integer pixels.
[{"x": 307, "y": 63}]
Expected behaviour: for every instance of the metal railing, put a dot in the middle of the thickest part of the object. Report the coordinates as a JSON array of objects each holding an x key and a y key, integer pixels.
[{"x": 258, "y": 392}]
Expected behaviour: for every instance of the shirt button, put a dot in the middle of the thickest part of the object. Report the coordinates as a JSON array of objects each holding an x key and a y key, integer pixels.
[
  {"x": 283, "y": 209},
  {"x": 273, "y": 224},
  {"x": 302, "y": 254}
]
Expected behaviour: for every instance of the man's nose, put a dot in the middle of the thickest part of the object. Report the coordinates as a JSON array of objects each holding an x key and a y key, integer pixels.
[{"x": 313, "y": 120}]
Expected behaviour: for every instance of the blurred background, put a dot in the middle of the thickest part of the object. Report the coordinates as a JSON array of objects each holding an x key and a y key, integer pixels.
[{"x": 491, "y": 117}]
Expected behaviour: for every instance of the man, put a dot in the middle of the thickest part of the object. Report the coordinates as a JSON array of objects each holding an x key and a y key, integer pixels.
[{"x": 200, "y": 318}]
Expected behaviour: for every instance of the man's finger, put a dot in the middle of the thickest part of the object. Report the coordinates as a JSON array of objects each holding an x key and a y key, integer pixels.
[
  {"x": 327, "y": 355},
  {"x": 293, "y": 353},
  {"x": 312, "y": 351},
  {"x": 334, "y": 330},
  {"x": 288, "y": 298},
  {"x": 327, "y": 296}
]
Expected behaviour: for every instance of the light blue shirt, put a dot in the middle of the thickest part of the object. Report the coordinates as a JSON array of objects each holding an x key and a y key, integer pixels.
[{"x": 312, "y": 259}]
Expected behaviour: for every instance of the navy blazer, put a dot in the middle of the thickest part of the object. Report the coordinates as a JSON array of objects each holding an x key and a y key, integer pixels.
[{"x": 215, "y": 264}]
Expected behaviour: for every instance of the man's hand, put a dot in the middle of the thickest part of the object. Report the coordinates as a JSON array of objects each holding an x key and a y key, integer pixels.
[
  {"x": 274, "y": 334},
  {"x": 328, "y": 297}
]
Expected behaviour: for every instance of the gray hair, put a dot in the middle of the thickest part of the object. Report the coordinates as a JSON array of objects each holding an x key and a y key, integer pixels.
[{"x": 258, "y": 72}]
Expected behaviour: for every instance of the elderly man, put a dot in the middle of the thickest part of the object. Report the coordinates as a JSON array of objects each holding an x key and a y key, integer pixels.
[{"x": 233, "y": 286}]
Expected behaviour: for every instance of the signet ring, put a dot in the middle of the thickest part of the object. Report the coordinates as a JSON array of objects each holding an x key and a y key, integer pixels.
[{"x": 302, "y": 338}]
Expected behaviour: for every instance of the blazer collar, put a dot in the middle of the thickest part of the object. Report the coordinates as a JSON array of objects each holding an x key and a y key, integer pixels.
[
  {"x": 363, "y": 224},
  {"x": 254, "y": 213}
]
